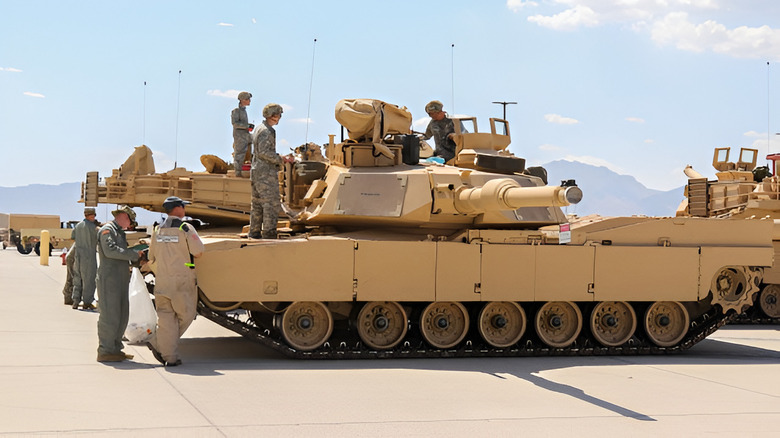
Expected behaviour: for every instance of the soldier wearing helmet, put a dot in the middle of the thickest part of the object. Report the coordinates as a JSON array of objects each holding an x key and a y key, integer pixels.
[
  {"x": 265, "y": 181},
  {"x": 441, "y": 128},
  {"x": 241, "y": 130},
  {"x": 113, "y": 282},
  {"x": 173, "y": 245}
]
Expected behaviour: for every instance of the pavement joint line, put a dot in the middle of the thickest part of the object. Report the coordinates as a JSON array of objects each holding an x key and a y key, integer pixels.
[
  {"x": 159, "y": 370},
  {"x": 714, "y": 382}
]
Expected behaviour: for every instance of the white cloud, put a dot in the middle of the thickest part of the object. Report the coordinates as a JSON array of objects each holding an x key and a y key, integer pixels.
[
  {"x": 300, "y": 120},
  {"x": 254, "y": 21},
  {"x": 555, "y": 118},
  {"x": 550, "y": 147},
  {"x": 31, "y": 94},
  {"x": 421, "y": 124},
  {"x": 667, "y": 22},
  {"x": 233, "y": 94},
  {"x": 635, "y": 119},
  {"x": 755, "y": 134},
  {"x": 516, "y": 5},
  {"x": 10, "y": 69},
  {"x": 649, "y": 140},
  {"x": 570, "y": 19},
  {"x": 225, "y": 24},
  {"x": 595, "y": 161}
]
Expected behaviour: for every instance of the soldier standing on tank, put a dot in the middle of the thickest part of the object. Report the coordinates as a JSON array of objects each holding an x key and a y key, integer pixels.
[
  {"x": 442, "y": 129},
  {"x": 113, "y": 281},
  {"x": 265, "y": 178},
  {"x": 172, "y": 245},
  {"x": 84, "y": 260},
  {"x": 241, "y": 129}
]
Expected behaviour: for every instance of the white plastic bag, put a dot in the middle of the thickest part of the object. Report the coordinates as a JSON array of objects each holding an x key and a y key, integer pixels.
[{"x": 142, "y": 322}]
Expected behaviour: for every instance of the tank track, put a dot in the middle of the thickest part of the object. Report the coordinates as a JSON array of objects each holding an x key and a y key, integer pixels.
[
  {"x": 755, "y": 316},
  {"x": 699, "y": 329}
]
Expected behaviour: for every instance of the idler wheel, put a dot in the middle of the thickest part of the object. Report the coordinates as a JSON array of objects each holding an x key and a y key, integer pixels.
[
  {"x": 444, "y": 324},
  {"x": 769, "y": 300},
  {"x": 306, "y": 325},
  {"x": 501, "y": 323},
  {"x": 382, "y": 324},
  {"x": 666, "y": 323},
  {"x": 612, "y": 323},
  {"x": 558, "y": 323}
]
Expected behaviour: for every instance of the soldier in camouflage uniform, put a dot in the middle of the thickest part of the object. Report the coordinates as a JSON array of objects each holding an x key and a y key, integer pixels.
[
  {"x": 113, "y": 283},
  {"x": 241, "y": 136},
  {"x": 85, "y": 260},
  {"x": 265, "y": 180},
  {"x": 441, "y": 128}
]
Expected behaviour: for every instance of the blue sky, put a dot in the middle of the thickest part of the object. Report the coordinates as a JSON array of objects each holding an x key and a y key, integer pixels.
[{"x": 643, "y": 87}]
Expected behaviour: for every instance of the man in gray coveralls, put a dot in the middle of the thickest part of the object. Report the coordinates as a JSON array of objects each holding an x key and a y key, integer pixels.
[
  {"x": 265, "y": 177},
  {"x": 241, "y": 129},
  {"x": 113, "y": 281},
  {"x": 85, "y": 260}
]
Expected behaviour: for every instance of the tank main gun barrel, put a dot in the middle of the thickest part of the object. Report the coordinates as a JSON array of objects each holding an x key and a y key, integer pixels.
[
  {"x": 507, "y": 194},
  {"x": 692, "y": 174}
]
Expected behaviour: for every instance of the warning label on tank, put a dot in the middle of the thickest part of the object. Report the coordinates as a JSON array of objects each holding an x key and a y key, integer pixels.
[{"x": 564, "y": 234}]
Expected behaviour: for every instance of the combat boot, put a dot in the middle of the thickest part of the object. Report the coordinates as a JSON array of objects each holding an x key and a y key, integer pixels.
[{"x": 111, "y": 357}]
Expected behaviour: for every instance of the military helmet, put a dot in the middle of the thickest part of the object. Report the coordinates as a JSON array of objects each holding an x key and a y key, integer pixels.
[
  {"x": 244, "y": 95},
  {"x": 172, "y": 202},
  {"x": 272, "y": 109},
  {"x": 434, "y": 106},
  {"x": 125, "y": 209}
]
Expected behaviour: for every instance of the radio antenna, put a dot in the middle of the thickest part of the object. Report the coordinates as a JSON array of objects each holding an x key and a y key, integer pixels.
[
  {"x": 452, "y": 80},
  {"x": 176, "y": 141},
  {"x": 143, "y": 135},
  {"x": 504, "y": 104},
  {"x": 311, "y": 82},
  {"x": 768, "y": 134}
]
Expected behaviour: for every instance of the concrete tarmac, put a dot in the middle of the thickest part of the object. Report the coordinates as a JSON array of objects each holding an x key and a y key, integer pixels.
[{"x": 51, "y": 384}]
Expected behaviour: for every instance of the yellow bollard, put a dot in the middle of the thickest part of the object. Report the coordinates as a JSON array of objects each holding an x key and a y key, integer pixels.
[{"x": 45, "y": 248}]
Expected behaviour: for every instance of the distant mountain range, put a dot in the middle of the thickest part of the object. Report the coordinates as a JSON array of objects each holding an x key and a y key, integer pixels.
[
  {"x": 605, "y": 193},
  {"x": 610, "y": 194}
]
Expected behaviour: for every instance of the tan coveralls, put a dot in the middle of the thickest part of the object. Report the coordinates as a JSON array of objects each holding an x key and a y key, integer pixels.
[{"x": 175, "y": 291}]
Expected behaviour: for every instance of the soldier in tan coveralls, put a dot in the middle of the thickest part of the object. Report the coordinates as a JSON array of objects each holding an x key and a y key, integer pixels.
[
  {"x": 265, "y": 179},
  {"x": 175, "y": 291},
  {"x": 242, "y": 139}
]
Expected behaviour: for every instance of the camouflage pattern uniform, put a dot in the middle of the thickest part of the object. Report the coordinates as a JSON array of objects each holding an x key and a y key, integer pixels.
[
  {"x": 113, "y": 283},
  {"x": 241, "y": 136},
  {"x": 176, "y": 294},
  {"x": 85, "y": 263},
  {"x": 439, "y": 130},
  {"x": 265, "y": 183}
]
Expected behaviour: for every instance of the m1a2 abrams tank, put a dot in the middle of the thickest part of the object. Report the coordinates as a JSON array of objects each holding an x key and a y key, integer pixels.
[
  {"x": 398, "y": 258},
  {"x": 742, "y": 190}
]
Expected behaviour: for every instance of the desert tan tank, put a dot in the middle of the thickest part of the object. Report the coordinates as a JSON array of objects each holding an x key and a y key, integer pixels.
[
  {"x": 742, "y": 190},
  {"x": 400, "y": 258},
  {"x": 389, "y": 256}
]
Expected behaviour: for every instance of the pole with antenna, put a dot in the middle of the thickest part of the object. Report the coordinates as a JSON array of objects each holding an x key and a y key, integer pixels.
[
  {"x": 452, "y": 80},
  {"x": 504, "y": 104},
  {"x": 143, "y": 135},
  {"x": 767, "y": 110},
  {"x": 176, "y": 141},
  {"x": 311, "y": 82}
]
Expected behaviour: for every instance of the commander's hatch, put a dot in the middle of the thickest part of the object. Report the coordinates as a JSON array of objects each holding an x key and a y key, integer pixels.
[
  {"x": 742, "y": 170},
  {"x": 482, "y": 150}
]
